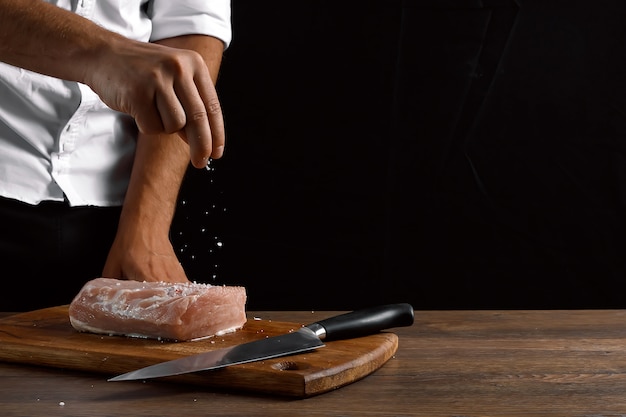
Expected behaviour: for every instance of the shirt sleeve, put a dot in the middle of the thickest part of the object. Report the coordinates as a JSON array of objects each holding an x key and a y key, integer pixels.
[{"x": 171, "y": 18}]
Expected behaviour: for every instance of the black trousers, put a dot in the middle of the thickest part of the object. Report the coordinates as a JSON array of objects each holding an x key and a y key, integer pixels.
[{"x": 50, "y": 250}]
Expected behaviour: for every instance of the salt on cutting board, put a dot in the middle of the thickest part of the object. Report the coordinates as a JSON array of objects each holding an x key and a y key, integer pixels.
[{"x": 46, "y": 338}]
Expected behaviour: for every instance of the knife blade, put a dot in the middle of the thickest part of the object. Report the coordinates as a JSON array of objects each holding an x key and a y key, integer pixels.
[{"x": 357, "y": 323}]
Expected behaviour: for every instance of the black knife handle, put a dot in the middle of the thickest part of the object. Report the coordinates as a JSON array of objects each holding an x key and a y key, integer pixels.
[{"x": 365, "y": 321}]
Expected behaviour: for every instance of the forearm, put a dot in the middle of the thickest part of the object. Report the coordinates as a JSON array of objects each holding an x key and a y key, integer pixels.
[
  {"x": 44, "y": 38},
  {"x": 142, "y": 249},
  {"x": 159, "y": 167}
]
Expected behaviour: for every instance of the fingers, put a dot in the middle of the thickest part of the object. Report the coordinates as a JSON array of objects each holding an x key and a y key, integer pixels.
[
  {"x": 172, "y": 113},
  {"x": 216, "y": 121},
  {"x": 204, "y": 127},
  {"x": 193, "y": 108},
  {"x": 166, "y": 116}
]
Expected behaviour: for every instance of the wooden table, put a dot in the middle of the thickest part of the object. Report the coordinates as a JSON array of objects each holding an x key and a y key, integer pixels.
[{"x": 449, "y": 363}]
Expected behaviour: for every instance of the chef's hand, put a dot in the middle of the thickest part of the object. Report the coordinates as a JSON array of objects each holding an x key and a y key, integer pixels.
[{"x": 166, "y": 90}]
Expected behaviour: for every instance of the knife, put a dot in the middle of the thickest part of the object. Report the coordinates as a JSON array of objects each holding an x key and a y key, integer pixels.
[{"x": 344, "y": 326}]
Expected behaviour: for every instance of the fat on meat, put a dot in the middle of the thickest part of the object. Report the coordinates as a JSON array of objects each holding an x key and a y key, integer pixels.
[{"x": 158, "y": 310}]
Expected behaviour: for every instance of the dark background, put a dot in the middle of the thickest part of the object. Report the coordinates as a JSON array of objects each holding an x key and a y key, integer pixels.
[{"x": 450, "y": 154}]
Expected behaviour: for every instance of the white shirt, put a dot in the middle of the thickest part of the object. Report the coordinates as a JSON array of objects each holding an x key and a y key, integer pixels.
[{"x": 57, "y": 137}]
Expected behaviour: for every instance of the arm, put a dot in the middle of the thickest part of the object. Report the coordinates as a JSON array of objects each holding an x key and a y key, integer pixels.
[
  {"x": 142, "y": 249},
  {"x": 165, "y": 89}
]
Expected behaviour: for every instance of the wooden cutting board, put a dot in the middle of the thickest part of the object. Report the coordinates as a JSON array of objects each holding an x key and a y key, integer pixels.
[{"x": 46, "y": 338}]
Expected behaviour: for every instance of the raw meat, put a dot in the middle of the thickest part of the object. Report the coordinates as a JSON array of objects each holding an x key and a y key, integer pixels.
[{"x": 158, "y": 310}]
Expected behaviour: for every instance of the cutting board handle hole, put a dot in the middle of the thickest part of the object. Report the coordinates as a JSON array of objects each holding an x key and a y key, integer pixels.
[{"x": 290, "y": 366}]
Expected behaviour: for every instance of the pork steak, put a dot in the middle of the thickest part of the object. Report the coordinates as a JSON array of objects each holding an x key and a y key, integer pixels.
[{"x": 157, "y": 310}]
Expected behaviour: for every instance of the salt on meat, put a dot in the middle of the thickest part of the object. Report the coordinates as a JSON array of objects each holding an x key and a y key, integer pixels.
[{"x": 158, "y": 310}]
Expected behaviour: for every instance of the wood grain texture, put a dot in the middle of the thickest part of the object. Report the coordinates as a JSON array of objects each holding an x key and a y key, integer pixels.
[
  {"x": 46, "y": 338},
  {"x": 551, "y": 363}
]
